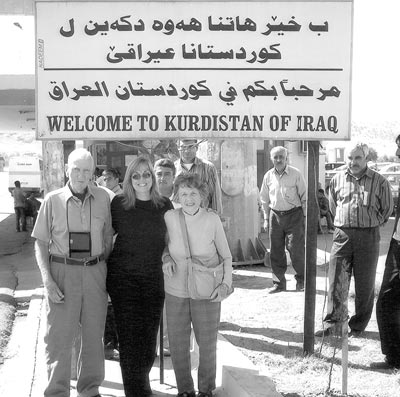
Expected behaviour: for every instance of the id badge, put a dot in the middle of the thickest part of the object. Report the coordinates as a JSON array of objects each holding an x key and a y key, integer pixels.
[{"x": 80, "y": 244}]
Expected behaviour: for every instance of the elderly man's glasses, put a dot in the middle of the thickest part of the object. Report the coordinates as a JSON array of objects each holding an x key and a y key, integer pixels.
[{"x": 146, "y": 175}]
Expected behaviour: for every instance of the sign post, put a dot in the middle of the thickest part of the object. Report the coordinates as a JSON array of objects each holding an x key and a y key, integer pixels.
[{"x": 311, "y": 245}]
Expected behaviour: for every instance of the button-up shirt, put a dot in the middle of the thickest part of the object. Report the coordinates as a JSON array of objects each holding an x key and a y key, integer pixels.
[
  {"x": 62, "y": 212},
  {"x": 282, "y": 192},
  {"x": 360, "y": 202}
]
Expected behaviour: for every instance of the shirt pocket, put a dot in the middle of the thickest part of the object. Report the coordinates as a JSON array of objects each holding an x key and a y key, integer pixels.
[
  {"x": 290, "y": 194},
  {"x": 98, "y": 223}
]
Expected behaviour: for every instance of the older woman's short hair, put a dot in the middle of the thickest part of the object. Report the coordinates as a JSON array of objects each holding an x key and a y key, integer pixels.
[{"x": 192, "y": 181}]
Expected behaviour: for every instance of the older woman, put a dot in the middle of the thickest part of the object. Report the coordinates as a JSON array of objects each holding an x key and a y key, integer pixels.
[
  {"x": 135, "y": 279},
  {"x": 208, "y": 246}
]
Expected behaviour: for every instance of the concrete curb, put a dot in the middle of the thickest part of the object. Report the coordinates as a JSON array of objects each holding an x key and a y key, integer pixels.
[
  {"x": 236, "y": 375},
  {"x": 30, "y": 345}
]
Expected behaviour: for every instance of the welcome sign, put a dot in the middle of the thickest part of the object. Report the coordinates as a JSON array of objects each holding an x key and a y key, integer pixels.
[{"x": 142, "y": 70}]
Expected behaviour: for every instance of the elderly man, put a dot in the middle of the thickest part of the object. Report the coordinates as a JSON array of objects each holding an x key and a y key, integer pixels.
[
  {"x": 360, "y": 201},
  {"x": 283, "y": 199},
  {"x": 111, "y": 180},
  {"x": 188, "y": 162},
  {"x": 73, "y": 240}
]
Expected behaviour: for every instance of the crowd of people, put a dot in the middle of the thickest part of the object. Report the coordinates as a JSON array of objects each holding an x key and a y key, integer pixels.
[{"x": 156, "y": 246}]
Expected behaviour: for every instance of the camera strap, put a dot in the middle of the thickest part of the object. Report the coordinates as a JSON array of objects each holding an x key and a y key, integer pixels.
[{"x": 90, "y": 223}]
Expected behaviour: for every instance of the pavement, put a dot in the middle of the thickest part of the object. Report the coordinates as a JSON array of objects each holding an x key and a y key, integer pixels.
[{"x": 23, "y": 373}]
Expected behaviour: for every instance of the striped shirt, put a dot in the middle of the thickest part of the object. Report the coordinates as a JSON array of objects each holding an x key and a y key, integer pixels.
[
  {"x": 360, "y": 202},
  {"x": 283, "y": 192}
]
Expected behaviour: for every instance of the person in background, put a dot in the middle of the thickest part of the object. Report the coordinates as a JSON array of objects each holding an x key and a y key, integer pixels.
[
  {"x": 19, "y": 207},
  {"x": 360, "y": 201},
  {"x": 73, "y": 240},
  {"x": 164, "y": 170},
  {"x": 209, "y": 245},
  {"x": 110, "y": 333},
  {"x": 323, "y": 204},
  {"x": 283, "y": 199},
  {"x": 190, "y": 163},
  {"x": 388, "y": 304},
  {"x": 135, "y": 278},
  {"x": 111, "y": 180}
]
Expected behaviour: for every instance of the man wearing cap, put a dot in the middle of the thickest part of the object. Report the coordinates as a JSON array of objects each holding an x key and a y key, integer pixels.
[
  {"x": 73, "y": 240},
  {"x": 283, "y": 198},
  {"x": 190, "y": 163},
  {"x": 111, "y": 180}
]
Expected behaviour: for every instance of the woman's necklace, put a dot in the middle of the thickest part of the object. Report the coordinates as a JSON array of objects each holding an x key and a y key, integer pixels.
[{"x": 187, "y": 213}]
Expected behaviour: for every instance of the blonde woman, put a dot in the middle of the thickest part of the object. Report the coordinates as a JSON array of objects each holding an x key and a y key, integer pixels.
[{"x": 135, "y": 279}]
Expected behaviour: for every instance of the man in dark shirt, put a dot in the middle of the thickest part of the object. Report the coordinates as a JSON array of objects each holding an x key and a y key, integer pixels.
[
  {"x": 323, "y": 204},
  {"x": 19, "y": 207},
  {"x": 388, "y": 305},
  {"x": 32, "y": 207}
]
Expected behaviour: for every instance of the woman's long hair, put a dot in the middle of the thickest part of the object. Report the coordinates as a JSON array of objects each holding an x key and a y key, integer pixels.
[{"x": 129, "y": 192}]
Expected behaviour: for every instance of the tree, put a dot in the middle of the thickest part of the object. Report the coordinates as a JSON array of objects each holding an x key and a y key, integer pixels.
[{"x": 373, "y": 154}]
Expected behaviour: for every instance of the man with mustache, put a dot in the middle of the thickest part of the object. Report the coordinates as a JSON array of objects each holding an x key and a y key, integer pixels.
[{"x": 360, "y": 201}]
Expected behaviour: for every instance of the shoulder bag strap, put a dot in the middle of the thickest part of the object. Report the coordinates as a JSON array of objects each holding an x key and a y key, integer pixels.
[{"x": 185, "y": 234}]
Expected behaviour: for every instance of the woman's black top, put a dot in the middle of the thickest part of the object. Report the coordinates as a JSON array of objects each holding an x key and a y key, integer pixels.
[{"x": 141, "y": 233}]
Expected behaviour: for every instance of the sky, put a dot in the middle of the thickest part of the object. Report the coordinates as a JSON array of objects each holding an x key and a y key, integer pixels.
[
  {"x": 376, "y": 61},
  {"x": 376, "y": 57}
]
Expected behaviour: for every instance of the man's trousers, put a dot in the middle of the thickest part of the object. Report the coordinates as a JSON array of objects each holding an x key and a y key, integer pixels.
[
  {"x": 287, "y": 231},
  {"x": 354, "y": 251},
  {"x": 85, "y": 306},
  {"x": 388, "y": 306}
]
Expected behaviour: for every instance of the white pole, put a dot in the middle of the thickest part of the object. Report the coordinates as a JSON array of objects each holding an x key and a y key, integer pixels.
[{"x": 345, "y": 356}]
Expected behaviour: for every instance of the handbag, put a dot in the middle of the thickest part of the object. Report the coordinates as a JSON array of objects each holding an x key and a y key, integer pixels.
[{"x": 202, "y": 280}]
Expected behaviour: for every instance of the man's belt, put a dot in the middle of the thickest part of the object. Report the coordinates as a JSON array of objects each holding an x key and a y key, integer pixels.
[
  {"x": 92, "y": 260},
  {"x": 281, "y": 213}
]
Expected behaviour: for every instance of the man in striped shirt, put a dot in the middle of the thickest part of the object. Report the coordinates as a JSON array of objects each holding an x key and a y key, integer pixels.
[{"x": 360, "y": 200}]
